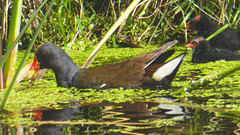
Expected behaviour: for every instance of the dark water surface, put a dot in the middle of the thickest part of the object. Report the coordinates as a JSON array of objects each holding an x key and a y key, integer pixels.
[{"x": 128, "y": 118}]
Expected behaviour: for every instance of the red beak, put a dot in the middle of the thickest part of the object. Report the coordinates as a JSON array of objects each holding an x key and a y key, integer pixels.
[
  {"x": 34, "y": 67},
  {"x": 190, "y": 25},
  {"x": 37, "y": 115},
  {"x": 190, "y": 45}
]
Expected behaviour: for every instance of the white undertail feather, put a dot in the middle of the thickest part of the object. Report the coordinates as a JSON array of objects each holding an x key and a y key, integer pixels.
[
  {"x": 168, "y": 68},
  {"x": 103, "y": 85}
]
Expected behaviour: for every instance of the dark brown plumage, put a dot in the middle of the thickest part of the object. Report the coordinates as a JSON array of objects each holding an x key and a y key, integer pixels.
[{"x": 140, "y": 71}]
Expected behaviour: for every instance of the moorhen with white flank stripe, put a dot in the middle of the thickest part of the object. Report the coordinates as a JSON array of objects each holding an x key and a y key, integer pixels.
[
  {"x": 145, "y": 71},
  {"x": 203, "y": 52}
]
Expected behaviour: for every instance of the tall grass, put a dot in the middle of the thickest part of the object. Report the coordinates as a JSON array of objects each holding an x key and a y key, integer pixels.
[
  {"x": 152, "y": 22},
  {"x": 14, "y": 29},
  {"x": 26, "y": 53}
]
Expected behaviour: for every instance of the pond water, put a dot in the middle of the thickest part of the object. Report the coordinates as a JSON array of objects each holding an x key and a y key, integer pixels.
[
  {"x": 40, "y": 107},
  {"x": 171, "y": 117}
]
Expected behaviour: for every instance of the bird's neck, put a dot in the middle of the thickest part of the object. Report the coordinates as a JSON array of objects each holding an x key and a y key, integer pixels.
[
  {"x": 65, "y": 73},
  {"x": 203, "y": 28},
  {"x": 207, "y": 46},
  {"x": 204, "y": 49}
]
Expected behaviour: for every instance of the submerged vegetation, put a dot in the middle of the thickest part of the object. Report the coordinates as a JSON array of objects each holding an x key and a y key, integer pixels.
[{"x": 77, "y": 26}]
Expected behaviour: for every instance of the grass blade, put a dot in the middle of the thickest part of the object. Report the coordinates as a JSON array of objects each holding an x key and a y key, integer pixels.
[
  {"x": 206, "y": 80},
  {"x": 20, "y": 35},
  {"x": 25, "y": 57},
  {"x": 112, "y": 29},
  {"x": 217, "y": 32},
  {"x": 14, "y": 29}
]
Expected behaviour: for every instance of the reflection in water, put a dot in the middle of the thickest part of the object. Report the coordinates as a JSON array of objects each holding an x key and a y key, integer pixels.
[
  {"x": 56, "y": 115},
  {"x": 127, "y": 118},
  {"x": 124, "y": 115}
]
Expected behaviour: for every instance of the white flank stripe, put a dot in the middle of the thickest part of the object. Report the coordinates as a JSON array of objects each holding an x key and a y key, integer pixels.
[
  {"x": 103, "y": 85},
  {"x": 167, "y": 69}
]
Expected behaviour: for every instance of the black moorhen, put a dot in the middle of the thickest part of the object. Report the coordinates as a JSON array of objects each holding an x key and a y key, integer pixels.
[
  {"x": 203, "y": 52},
  {"x": 227, "y": 39},
  {"x": 145, "y": 71}
]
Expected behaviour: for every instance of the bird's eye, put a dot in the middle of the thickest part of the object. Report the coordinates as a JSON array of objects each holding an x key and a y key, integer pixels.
[
  {"x": 194, "y": 20},
  {"x": 43, "y": 53},
  {"x": 195, "y": 43}
]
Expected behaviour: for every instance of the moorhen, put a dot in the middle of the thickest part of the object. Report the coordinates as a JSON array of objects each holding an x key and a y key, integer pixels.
[
  {"x": 145, "y": 71},
  {"x": 227, "y": 39},
  {"x": 203, "y": 52}
]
